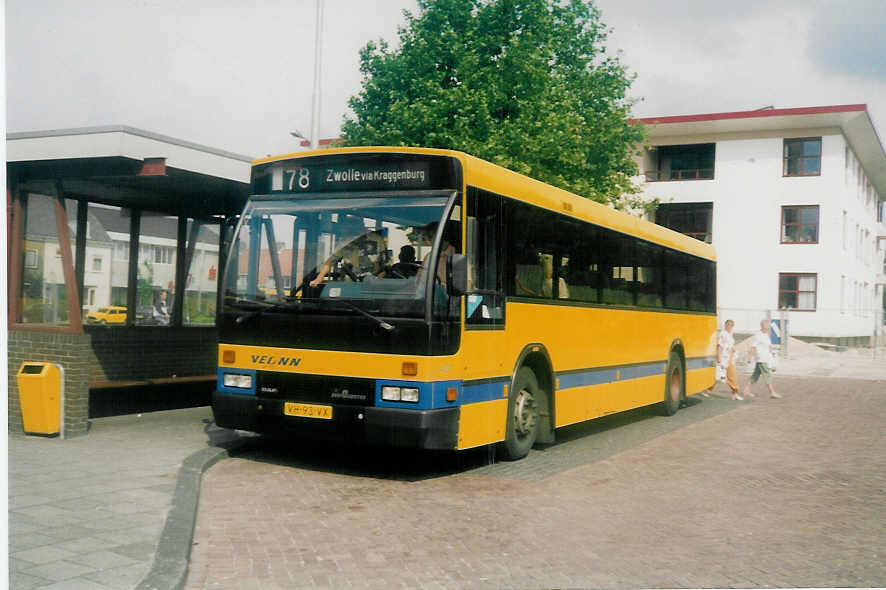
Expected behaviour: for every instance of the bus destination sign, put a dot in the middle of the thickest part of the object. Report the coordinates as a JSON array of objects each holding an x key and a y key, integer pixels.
[{"x": 348, "y": 176}]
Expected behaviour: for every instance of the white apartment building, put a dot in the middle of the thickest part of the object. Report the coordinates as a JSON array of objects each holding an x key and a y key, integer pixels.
[{"x": 794, "y": 201}]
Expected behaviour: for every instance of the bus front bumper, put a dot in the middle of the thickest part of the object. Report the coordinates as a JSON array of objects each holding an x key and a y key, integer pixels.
[{"x": 422, "y": 429}]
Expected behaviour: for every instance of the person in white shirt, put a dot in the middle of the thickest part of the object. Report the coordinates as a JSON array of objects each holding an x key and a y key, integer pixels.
[
  {"x": 726, "y": 357},
  {"x": 760, "y": 352}
]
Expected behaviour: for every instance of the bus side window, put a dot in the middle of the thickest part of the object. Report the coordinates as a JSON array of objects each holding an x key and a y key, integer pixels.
[
  {"x": 485, "y": 300},
  {"x": 676, "y": 277},
  {"x": 578, "y": 270},
  {"x": 699, "y": 284},
  {"x": 649, "y": 275},
  {"x": 618, "y": 260}
]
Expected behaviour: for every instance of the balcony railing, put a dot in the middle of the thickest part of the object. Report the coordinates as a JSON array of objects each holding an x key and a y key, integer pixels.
[
  {"x": 689, "y": 174},
  {"x": 703, "y": 236}
]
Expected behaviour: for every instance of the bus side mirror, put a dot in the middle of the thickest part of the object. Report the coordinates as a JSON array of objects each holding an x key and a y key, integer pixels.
[{"x": 456, "y": 274}]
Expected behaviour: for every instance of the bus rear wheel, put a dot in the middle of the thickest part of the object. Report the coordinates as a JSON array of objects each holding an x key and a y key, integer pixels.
[
  {"x": 675, "y": 385},
  {"x": 524, "y": 409}
]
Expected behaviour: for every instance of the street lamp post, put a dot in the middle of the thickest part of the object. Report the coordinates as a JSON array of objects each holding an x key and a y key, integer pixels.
[{"x": 315, "y": 107}]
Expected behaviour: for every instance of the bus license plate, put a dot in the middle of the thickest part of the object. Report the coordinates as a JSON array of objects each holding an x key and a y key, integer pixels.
[{"x": 308, "y": 410}]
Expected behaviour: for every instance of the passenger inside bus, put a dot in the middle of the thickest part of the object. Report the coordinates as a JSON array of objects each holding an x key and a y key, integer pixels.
[
  {"x": 538, "y": 280},
  {"x": 405, "y": 268},
  {"x": 351, "y": 260},
  {"x": 448, "y": 245}
]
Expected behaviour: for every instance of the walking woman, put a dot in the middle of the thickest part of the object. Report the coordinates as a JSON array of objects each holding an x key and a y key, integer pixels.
[{"x": 726, "y": 357}]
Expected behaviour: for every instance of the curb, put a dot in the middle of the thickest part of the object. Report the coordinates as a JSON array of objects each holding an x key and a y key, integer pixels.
[{"x": 170, "y": 567}]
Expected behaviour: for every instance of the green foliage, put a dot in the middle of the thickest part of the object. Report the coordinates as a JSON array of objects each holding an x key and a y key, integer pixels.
[
  {"x": 32, "y": 283},
  {"x": 145, "y": 284},
  {"x": 526, "y": 84}
]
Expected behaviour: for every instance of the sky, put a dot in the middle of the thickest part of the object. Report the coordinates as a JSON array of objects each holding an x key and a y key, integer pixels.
[{"x": 238, "y": 75}]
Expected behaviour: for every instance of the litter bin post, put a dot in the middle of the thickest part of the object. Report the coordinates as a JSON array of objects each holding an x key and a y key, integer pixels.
[{"x": 41, "y": 394}]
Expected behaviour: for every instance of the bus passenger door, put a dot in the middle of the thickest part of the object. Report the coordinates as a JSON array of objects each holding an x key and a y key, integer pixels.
[{"x": 483, "y": 344}]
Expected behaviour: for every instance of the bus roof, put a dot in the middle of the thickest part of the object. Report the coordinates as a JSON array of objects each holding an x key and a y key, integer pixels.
[{"x": 494, "y": 178}]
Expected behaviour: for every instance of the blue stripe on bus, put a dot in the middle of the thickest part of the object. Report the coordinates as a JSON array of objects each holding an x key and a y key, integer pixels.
[
  {"x": 609, "y": 374},
  {"x": 704, "y": 362},
  {"x": 482, "y": 392}
]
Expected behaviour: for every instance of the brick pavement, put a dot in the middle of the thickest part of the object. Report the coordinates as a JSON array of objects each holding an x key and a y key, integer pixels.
[{"x": 772, "y": 493}]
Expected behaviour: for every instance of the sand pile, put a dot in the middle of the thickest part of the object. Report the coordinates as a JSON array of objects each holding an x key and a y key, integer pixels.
[
  {"x": 796, "y": 349},
  {"x": 800, "y": 349}
]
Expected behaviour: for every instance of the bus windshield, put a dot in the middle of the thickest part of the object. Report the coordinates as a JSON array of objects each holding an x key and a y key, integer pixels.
[{"x": 361, "y": 248}]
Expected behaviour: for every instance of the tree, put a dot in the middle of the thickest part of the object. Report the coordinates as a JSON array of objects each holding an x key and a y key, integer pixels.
[
  {"x": 145, "y": 284},
  {"x": 526, "y": 84}
]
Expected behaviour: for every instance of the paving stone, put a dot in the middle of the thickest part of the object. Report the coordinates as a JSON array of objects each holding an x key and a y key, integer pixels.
[
  {"x": 123, "y": 577},
  {"x": 82, "y": 545},
  {"x": 22, "y": 542},
  {"x": 76, "y": 584},
  {"x": 57, "y": 571},
  {"x": 103, "y": 560},
  {"x": 138, "y": 551},
  {"x": 48, "y": 515},
  {"x": 25, "y": 500},
  {"x": 64, "y": 533},
  {"x": 122, "y": 536},
  {"x": 20, "y": 581},
  {"x": 44, "y": 554},
  {"x": 18, "y": 527}
]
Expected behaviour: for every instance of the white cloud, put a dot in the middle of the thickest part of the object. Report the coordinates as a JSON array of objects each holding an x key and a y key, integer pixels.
[{"x": 717, "y": 55}]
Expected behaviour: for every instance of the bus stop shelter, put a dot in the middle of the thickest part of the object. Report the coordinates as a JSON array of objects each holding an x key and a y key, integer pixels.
[{"x": 114, "y": 240}]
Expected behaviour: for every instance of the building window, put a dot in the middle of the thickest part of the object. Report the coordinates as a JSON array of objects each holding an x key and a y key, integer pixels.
[
  {"x": 681, "y": 162},
  {"x": 797, "y": 291},
  {"x": 164, "y": 255},
  {"x": 799, "y": 224},
  {"x": 802, "y": 157},
  {"x": 96, "y": 264},
  {"x": 31, "y": 259},
  {"x": 692, "y": 219},
  {"x": 121, "y": 250}
]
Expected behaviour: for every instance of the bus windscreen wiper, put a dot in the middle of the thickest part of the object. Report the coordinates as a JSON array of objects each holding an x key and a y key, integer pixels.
[
  {"x": 269, "y": 307},
  {"x": 381, "y": 323}
]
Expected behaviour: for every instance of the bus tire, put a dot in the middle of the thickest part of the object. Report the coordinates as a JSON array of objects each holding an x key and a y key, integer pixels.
[
  {"x": 675, "y": 385},
  {"x": 524, "y": 414}
]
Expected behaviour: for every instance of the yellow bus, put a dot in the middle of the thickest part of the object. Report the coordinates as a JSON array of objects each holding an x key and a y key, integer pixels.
[{"x": 427, "y": 298}]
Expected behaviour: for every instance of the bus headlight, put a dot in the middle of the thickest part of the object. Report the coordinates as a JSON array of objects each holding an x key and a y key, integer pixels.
[
  {"x": 390, "y": 393},
  {"x": 237, "y": 380}
]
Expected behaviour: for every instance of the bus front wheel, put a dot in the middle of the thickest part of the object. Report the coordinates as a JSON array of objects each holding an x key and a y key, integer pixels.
[
  {"x": 524, "y": 405},
  {"x": 675, "y": 385}
]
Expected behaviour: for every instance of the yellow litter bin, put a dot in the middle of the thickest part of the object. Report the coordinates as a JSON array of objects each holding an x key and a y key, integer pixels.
[{"x": 41, "y": 393}]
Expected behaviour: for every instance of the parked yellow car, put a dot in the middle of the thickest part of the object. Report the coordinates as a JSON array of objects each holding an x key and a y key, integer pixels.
[{"x": 112, "y": 314}]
